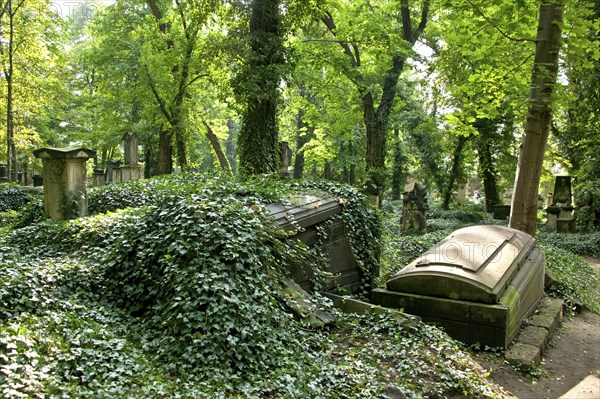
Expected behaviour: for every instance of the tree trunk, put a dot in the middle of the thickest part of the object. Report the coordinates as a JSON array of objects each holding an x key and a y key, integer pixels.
[
  {"x": 11, "y": 152},
  {"x": 398, "y": 169},
  {"x": 487, "y": 167},
  {"x": 352, "y": 176},
  {"x": 165, "y": 153},
  {"x": 376, "y": 117},
  {"x": 258, "y": 137},
  {"x": 303, "y": 131},
  {"x": 216, "y": 145},
  {"x": 488, "y": 174},
  {"x": 523, "y": 215},
  {"x": 455, "y": 171},
  {"x": 149, "y": 161},
  {"x": 230, "y": 144},
  {"x": 181, "y": 148}
]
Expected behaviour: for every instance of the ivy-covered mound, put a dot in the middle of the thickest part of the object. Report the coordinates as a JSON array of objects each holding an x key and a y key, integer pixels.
[{"x": 178, "y": 296}]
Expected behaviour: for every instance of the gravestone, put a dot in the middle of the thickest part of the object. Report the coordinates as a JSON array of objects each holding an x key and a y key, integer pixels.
[
  {"x": 113, "y": 174},
  {"x": 560, "y": 214},
  {"x": 301, "y": 218},
  {"x": 501, "y": 212},
  {"x": 372, "y": 191},
  {"x": 99, "y": 177},
  {"x": 131, "y": 170},
  {"x": 461, "y": 194},
  {"x": 479, "y": 283},
  {"x": 38, "y": 180},
  {"x": 3, "y": 173},
  {"x": 414, "y": 208},
  {"x": 285, "y": 159},
  {"x": 64, "y": 176}
]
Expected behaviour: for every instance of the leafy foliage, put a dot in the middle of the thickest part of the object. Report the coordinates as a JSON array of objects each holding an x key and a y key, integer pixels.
[
  {"x": 13, "y": 197},
  {"x": 588, "y": 205},
  {"x": 178, "y": 297},
  {"x": 580, "y": 244},
  {"x": 573, "y": 279}
]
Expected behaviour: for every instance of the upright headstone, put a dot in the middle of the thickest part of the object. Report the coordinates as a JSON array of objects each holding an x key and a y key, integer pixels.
[
  {"x": 3, "y": 173},
  {"x": 38, "y": 180},
  {"x": 112, "y": 174},
  {"x": 64, "y": 175},
  {"x": 560, "y": 214},
  {"x": 461, "y": 195},
  {"x": 131, "y": 170},
  {"x": 414, "y": 208},
  {"x": 373, "y": 192},
  {"x": 99, "y": 177},
  {"x": 285, "y": 159}
]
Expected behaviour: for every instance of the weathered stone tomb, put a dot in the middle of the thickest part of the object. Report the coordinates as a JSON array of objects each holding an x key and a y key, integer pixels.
[
  {"x": 64, "y": 178},
  {"x": 479, "y": 284},
  {"x": 302, "y": 217}
]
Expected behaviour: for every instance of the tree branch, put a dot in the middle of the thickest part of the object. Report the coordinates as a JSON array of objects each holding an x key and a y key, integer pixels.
[
  {"x": 195, "y": 78},
  {"x": 183, "y": 21},
  {"x": 406, "y": 22},
  {"x": 330, "y": 24},
  {"x": 159, "y": 100},
  {"x": 423, "y": 22},
  {"x": 496, "y": 27}
]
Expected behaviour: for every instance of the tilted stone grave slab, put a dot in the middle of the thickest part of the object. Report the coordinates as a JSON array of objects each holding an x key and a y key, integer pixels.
[
  {"x": 301, "y": 216},
  {"x": 479, "y": 283}
]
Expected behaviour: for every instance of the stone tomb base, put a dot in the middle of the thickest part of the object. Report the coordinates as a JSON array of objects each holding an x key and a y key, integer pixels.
[
  {"x": 479, "y": 284},
  {"x": 495, "y": 325}
]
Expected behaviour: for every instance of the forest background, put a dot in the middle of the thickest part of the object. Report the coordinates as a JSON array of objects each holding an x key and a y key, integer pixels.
[{"x": 433, "y": 90}]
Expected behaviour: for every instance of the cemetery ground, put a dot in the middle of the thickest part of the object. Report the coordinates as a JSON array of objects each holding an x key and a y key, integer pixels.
[{"x": 171, "y": 288}]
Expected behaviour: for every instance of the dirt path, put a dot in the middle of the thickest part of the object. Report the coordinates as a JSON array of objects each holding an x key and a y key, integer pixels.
[{"x": 572, "y": 357}]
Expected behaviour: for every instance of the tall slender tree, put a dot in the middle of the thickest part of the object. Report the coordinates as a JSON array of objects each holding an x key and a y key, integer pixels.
[{"x": 523, "y": 215}]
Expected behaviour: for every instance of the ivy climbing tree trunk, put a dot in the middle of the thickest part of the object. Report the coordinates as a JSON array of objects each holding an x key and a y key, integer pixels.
[
  {"x": 523, "y": 215},
  {"x": 165, "y": 153},
  {"x": 258, "y": 87}
]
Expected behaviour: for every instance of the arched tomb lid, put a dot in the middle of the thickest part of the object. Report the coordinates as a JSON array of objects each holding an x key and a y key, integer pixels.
[
  {"x": 475, "y": 263},
  {"x": 64, "y": 153},
  {"x": 302, "y": 210}
]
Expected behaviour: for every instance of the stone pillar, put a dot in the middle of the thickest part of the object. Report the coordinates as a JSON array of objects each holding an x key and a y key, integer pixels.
[
  {"x": 414, "y": 208},
  {"x": 99, "y": 177},
  {"x": 461, "y": 195},
  {"x": 131, "y": 170},
  {"x": 560, "y": 214},
  {"x": 3, "y": 173},
  {"x": 64, "y": 176},
  {"x": 373, "y": 192},
  {"x": 285, "y": 159},
  {"x": 111, "y": 171}
]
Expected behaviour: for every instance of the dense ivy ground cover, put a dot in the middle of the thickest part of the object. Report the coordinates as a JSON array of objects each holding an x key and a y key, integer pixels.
[{"x": 178, "y": 296}]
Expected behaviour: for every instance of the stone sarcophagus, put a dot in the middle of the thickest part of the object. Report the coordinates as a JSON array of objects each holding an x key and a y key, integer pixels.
[
  {"x": 479, "y": 283},
  {"x": 302, "y": 217}
]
